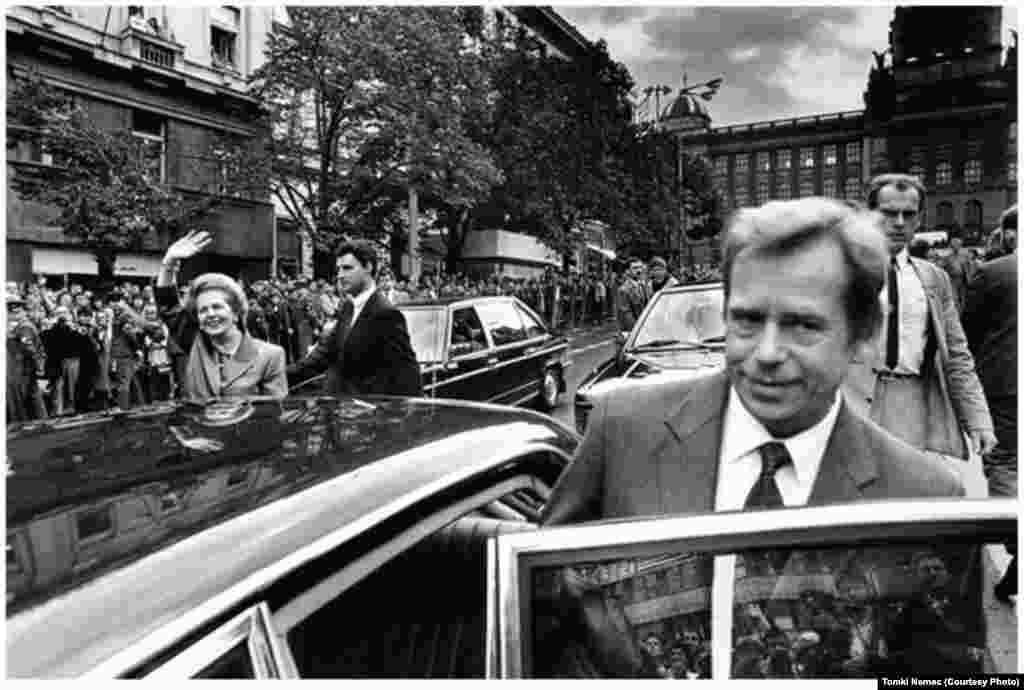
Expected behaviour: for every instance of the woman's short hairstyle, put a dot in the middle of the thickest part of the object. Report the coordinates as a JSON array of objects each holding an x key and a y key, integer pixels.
[
  {"x": 364, "y": 251},
  {"x": 784, "y": 227},
  {"x": 902, "y": 182},
  {"x": 218, "y": 281}
]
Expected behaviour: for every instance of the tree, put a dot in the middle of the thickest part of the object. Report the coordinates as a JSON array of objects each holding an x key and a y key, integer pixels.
[
  {"x": 562, "y": 127},
  {"x": 368, "y": 101},
  {"x": 102, "y": 184}
]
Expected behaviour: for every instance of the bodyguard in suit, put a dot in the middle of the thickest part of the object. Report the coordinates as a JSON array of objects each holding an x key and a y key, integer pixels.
[
  {"x": 368, "y": 351},
  {"x": 919, "y": 383},
  {"x": 632, "y": 296},
  {"x": 802, "y": 280}
]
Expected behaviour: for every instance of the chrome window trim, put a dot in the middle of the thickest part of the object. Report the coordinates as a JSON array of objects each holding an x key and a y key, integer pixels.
[
  {"x": 252, "y": 624},
  {"x": 167, "y": 635},
  {"x": 331, "y": 587},
  {"x": 499, "y": 365},
  {"x": 719, "y": 533}
]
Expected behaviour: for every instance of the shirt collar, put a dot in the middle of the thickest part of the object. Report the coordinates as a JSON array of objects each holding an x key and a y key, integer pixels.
[
  {"x": 359, "y": 301},
  {"x": 903, "y": 258},
  {"x": 746, "y": 434}
]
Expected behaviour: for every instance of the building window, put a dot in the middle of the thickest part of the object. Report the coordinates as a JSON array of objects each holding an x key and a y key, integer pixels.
[
  {"x": 807, "y": 158},
  {"x": 1011, "y": 171},
  {"x": 151, "y": 130},
  {"x": 853, "y": 152},
  {"x": 852, "y": 188},
  {"x": 783, "y": 160},
  {"x": 972, "y": 171},
  {"x": 224, "y": 35},
  {"x": 830, "y": 155},
  {"x": 1013, "y": 132},
  {"x": 764, "y": 161},
  {"x": 763, "y": 191},
  {"x": 973, "y": 214},
  {"x": 742, "y": 164},
  {"x": 944, "y": 173},
  {"x": 783, "y": 189},
  {"x": 828, "y": 188},
  {"x": 944, "y": 214},
  {"x": 917, "y": 171},
  {"x": 136, "y": 11},
  {"x": 721, "y": 166},
  {"x": 806, "y": 188}
]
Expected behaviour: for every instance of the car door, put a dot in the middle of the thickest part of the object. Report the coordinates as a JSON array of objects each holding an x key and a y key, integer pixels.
[
  {"x": 469, "y": 370},
  {"x": 515, "y": 382},
  {"x": 895, "y": 588},
  {"x": 543, "y": 349}
]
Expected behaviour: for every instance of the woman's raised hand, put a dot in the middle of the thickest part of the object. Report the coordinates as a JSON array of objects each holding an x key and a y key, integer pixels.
[{"x": 188, "y": 246}]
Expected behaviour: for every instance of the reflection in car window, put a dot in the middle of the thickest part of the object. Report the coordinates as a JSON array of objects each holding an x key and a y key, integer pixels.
[
  {"x": 638, "y": 618},
  {"x": 533, "y": 327},
  {"x": 858, "y": 613},
  {"x": 467, "y": 332},
  {"x": 691, "y": 316},
  {"x": 502, "y": 321},
  {"x": 133, "y": 512}
]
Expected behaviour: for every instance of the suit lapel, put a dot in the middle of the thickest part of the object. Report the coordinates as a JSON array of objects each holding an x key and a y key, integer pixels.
[
  {"x": 687, "y": 455},
  {"x": 848, "y": 465},
  {"x": 246, "y": 355}
]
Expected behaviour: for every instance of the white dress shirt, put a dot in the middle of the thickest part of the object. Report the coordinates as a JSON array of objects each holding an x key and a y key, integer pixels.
[
  {"x": 739, "y": 466},
  {"x": 359, "y": 301},
  {"x": 913, "y": 316}
]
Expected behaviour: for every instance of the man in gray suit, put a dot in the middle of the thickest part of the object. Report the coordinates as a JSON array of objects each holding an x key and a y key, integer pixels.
[
  {"x": 919, "y": 383},
  {"x": 802, "y": 280}
]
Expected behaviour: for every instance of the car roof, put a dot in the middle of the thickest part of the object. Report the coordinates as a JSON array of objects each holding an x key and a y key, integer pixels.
[
  {"x": 448, "y": 301},
  {"x": 310, "y": 473}
]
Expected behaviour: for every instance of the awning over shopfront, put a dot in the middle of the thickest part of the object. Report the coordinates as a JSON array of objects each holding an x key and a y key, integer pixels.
[
  {"x": 61, "y": 261},
  {"x": 606, "y": 253}
]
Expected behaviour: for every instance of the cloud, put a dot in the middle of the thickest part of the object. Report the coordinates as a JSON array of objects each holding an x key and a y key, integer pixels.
[{"x": 776, "y": 61}]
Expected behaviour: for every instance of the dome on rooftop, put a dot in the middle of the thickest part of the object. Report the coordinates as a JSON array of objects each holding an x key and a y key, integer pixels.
[{"x": 687, "y": 105}]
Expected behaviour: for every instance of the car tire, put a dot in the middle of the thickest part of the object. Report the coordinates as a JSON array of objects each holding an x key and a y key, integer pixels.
[{"x": 547, "y": 400}]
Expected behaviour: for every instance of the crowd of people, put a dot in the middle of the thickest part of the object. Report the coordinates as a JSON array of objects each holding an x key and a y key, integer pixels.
[{"x": 72, "y": 349}]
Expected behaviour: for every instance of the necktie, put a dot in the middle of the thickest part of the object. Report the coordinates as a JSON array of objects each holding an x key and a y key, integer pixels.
[
  {"x": 892, "y": 333},
  {"x": 765, "y": 493},
  {"x": 348, "y": 309}
]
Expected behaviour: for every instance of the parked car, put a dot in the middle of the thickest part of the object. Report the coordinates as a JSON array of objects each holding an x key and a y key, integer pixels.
[
  {"x": 314, "y": 537},
  {"x": 486, "y": 349},
  {"x": 680, "y": 334}
]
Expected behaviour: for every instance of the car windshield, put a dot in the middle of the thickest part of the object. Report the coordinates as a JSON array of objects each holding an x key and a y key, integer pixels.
[
  {"x": 426, "y": 331},
  {"x": 692, "y": 317}
]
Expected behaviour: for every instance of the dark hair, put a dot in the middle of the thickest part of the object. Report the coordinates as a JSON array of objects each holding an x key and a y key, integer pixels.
[
  {"x": 919, "y": 248},
  {"x": 364, "y": 252},
  {"x": 781, "y": 227},
  {"x": 901, "y": 182},
  {"x": 658, "y": 261}
]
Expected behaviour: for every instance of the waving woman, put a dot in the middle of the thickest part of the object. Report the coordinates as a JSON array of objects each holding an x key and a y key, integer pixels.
[{"x": 223, "y": 359}]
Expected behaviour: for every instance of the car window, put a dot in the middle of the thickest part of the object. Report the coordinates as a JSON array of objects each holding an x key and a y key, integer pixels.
[
  {"x": 426, "y": 332},
  {"x": 502, "y": 321},
  {"x": 853, "y": 597},
  {"x": 94, "y": 523},
  {"x": 533, "y": 326},
  {"x": 420, "y": 613},
  {"x": 688, "y": 316},
  {"x": 235, "y": 663},
  {"x": 467, "y": 333}
]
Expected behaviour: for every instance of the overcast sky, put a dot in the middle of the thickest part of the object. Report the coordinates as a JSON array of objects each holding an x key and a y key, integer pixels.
[{"x": 776, "y": 61}]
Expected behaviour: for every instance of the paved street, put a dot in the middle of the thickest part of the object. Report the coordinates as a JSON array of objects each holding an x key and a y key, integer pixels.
[{"x": 588, "y": 348}]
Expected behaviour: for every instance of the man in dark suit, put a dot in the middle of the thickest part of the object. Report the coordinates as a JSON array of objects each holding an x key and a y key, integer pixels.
[
  {"x": 919, "y": 381},
  {"x": 990, "y": 322},
  {"x": 368, "y": 350},
  {"x": 632, "y": 296},
  {"x": 802, "y": 280}
]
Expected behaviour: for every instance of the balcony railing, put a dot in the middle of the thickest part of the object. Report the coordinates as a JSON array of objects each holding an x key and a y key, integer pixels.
[
  {"x": 153, "y": 53},
  {"x": 845, "y": 116}
]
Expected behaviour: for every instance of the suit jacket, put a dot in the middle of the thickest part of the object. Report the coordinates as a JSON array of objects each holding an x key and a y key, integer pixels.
[
  {"x": 653, "y": 450},
  {"x": 258, "y": 368},
  {"x": 956, "y": 403},
  {"x": 632, "y": 299},
  {"x": 373, "y": 357},
  {"x": 990, "y": 322}
]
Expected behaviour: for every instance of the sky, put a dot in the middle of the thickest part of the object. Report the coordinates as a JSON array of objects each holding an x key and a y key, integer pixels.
[{"x": 776, "y": 61}]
